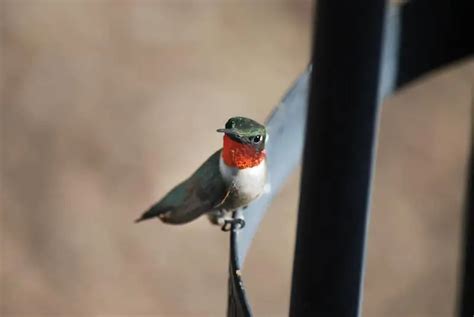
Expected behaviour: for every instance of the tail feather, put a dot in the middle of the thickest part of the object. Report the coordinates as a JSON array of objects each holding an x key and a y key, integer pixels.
[{"x": 153, "y": 212}]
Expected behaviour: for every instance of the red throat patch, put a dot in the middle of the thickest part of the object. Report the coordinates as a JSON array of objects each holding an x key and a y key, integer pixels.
[{"x": 240, "y": 155}]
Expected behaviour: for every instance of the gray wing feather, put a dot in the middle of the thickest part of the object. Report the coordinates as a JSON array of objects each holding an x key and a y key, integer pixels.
[{"x": 200, "y": 193}]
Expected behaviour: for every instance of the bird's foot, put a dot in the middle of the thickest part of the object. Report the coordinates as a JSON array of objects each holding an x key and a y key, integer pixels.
[{"x": 229, "y": 224}]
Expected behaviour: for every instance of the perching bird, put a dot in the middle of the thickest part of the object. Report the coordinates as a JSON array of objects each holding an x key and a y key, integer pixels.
[{"x": 230, "y": 179}]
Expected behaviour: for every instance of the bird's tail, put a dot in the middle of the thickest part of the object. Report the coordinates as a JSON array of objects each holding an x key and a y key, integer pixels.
[{"x": 154, "y": 211}]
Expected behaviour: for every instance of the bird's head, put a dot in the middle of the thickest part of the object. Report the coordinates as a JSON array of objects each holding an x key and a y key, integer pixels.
[{"x": 244, "y": 142}]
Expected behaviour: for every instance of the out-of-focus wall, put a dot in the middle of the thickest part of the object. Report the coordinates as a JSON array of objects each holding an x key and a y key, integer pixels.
[
  {"x": 107, "y": 104},
  {"x": 415, "y": 228}
]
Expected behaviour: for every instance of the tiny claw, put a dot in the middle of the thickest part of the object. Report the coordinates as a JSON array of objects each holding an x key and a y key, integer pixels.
[
  {"x": 229, "y": 224},
  {"x": 240, "y": 223}
]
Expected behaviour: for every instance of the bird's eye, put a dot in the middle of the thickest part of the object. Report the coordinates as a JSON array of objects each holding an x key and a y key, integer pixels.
[{"x": 257, "y": 139}]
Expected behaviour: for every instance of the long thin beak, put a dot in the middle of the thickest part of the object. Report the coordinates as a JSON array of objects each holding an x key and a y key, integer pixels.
[
  {"x": 228, "y": 131},
  {"x": 235, "y": 134}
]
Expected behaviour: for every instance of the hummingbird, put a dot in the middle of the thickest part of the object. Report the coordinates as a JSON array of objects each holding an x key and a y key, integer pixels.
[{"x": 229, "y": 179}]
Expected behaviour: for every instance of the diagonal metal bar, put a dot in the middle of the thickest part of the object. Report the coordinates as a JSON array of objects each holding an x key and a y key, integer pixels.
[
  {"x": 286, "y": 129},
  {"x": 286, "y": 126},
  {"x": 434, "y": 33}
]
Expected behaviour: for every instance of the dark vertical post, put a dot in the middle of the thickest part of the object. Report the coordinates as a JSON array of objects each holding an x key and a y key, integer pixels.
[
  {"x": 466, "y": 299},
  {"x": 337, "y": 165}
]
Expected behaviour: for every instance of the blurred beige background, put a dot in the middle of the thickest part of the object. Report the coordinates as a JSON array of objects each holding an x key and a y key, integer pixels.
[{"x": 108, "y": 104}]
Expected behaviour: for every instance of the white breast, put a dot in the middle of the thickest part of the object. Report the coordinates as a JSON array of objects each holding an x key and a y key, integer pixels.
[{"x": 248, "y": 182}]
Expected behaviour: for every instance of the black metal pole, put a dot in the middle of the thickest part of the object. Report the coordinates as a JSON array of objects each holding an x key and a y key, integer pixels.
[
  {"x": 237, "y": 304},
  {"x": 466, "y": 298},
  {"x": 335, "y": 185}
]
